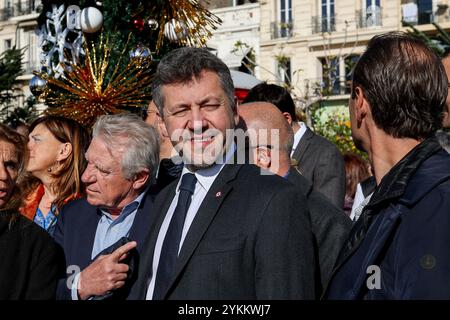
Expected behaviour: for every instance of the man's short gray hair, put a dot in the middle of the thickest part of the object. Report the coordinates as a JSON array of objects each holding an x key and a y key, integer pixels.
[
  {"x": 179, "y": 66},
  {"x": 138, "y": 140}
]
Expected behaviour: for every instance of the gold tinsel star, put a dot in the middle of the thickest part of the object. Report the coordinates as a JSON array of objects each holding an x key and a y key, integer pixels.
[{"x": 88, "y": 90}]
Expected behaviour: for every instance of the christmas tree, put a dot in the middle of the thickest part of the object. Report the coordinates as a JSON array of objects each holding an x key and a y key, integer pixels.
[{"x": 98, "y": 57}]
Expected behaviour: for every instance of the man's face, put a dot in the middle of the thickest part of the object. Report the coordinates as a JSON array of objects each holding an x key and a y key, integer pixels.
[
  {"x": 106, "y": 186},
  {"x": 197, "y": 115},
  {"x": 446, "y": 120},
  {"x": 152, "y": 115},
  {"x": 9, "y": 166}
]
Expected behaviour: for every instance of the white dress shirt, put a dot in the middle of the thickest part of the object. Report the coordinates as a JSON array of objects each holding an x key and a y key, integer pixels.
[
  {"x": 298, "y": 135},
  {"x": 205, "y": 179}
]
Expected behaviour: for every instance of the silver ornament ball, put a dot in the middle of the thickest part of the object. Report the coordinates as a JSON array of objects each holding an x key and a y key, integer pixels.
[
  {"x": 37, "y": 85},
  {"x": 153, "y": 24},
  {"x": 140, "y": 51}
]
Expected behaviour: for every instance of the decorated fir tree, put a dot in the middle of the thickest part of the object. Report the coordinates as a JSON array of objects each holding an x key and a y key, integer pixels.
[{"x": 98, "y": 57}]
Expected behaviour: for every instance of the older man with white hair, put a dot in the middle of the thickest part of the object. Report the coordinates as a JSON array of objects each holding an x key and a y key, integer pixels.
[{"x": 101, "y": 233}]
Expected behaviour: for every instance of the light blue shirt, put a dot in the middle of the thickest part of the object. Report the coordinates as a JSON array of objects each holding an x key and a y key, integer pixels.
[{"x": 110, "y": 231}]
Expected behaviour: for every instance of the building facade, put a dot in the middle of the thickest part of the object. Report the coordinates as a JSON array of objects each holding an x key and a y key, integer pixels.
[
  {"x": 311, "y": 45},
  {"x": 17, "y": 28}
]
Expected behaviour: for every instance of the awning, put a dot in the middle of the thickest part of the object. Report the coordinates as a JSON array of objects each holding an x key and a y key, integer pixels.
[
  {"x": 234, "y": 59},
  {"x": 243, "y": 80}
]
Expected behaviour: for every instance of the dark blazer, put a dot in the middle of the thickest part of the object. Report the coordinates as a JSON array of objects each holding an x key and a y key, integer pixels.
[
  {"x": 320, "y": 161},
  {"x": 29, "y": 262},
  {"x": 330, "y": 228},
  {"x": 250, "y": 239},
  {"x": 75, "y": 233}
]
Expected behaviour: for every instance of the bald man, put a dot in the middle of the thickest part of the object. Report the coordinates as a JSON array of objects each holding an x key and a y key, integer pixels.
[{"x": 271, "y": 139}]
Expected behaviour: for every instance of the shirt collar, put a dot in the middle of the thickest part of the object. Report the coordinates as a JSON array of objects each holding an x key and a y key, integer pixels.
[
  {"x": 128, "y": 209},
  {"x": 298, "y": 135}
]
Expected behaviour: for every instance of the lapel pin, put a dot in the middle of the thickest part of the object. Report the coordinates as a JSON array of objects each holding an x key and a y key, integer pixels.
[{"x": 218, "y": 194}]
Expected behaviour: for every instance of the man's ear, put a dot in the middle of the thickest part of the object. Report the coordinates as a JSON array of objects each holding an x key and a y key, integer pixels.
[
  {"x": 234, "y": 108},
  {"x": 162, "y": 128},
  {"x": 64, "y": 151},
  {"x": 361, "y": 106},
  {"x": 288, "y": 117},
  {"x": 263, "y": 157},
  {"x": 140, "y": 179}
]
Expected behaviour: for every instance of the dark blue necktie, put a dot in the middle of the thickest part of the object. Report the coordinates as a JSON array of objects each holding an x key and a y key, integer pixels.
[{"x": 169, "y": 251}]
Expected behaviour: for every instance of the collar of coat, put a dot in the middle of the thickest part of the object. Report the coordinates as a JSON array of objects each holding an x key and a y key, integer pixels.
[
  {"x": 396, "y": 182},
  {"x": 31, "y": 203}
]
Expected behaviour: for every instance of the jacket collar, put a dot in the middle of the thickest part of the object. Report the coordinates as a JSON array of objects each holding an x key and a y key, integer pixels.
[
  {"x": 31, "y": 202},
  {"x": 395, "y": 182}
]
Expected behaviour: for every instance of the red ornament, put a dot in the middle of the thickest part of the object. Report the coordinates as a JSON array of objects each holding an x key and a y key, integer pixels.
[{"x": 139, "y": 24}]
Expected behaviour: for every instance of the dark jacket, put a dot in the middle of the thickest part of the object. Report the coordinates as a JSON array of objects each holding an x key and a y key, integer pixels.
[
  {"x": 322, "y": 163},
  {"x": 250, "y": 239},
  {"x": 330, "y": 227},
  {"x": 75, "y": 233},
  {"x": 28, "y": 261},
  {"x": 399, "y": 248}
]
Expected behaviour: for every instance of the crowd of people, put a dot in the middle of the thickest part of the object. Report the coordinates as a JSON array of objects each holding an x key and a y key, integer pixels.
[{"x": 208, "y": 199}]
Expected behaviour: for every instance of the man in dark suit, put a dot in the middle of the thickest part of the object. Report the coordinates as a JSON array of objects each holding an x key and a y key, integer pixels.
[
  {"x": 122, "y": 161},
  {"x": 318, "y": 159},
  {"x": 270, "y": 142},
  {"x": 225, "y": 231}
]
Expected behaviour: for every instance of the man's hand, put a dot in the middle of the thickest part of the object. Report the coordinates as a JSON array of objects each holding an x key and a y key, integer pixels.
[{"x": 105, "y": 274}]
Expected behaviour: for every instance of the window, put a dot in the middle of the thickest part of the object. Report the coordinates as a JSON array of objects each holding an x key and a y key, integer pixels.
[
  {"x": 337, "y": 73},
  {"x": 216, "y": 4},
  {"x": 284, "y": 69},
  {"x": 327, "y": 13},
  {"x": 371, "y": 13},
  {"x": 7, "y": 44},
  {"x": 285, "y": 18},
  {"x": 425, "y": 8}
]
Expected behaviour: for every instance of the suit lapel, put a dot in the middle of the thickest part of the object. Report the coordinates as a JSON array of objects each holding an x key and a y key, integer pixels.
[
  {"x": 87, "y": 234},
  {"x": 160, "y": 208},
  {"x": 142, "y": 221},
  {"x": 302, "y": 146},
  {"x": 205, "y": 214}
]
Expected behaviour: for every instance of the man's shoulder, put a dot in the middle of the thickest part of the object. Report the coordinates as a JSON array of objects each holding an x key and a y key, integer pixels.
[
  {"x": 33, "y": 235},
  {"x": 323, "y": 143},
  {"x": 252, "y": 174},
  {"x": 78, "y": 207},
  {"x": 77, "y": 204},
  {"x": 433, "y": 175}
]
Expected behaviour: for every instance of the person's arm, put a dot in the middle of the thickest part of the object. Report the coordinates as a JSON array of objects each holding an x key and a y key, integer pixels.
[
  {"x": 65, "y": 276},
  {"x": 104, "y": 274},
  {"x": 421, "y": 257},
  {"x": 284, "y": 255}
]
